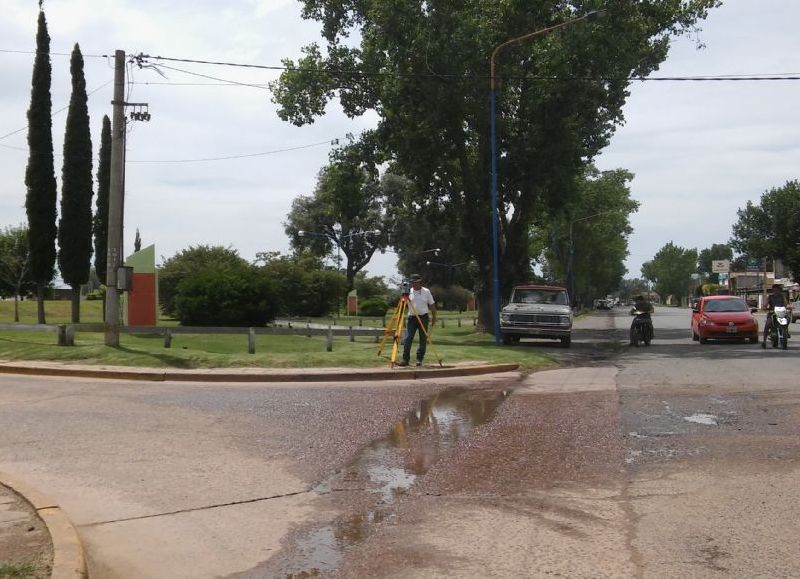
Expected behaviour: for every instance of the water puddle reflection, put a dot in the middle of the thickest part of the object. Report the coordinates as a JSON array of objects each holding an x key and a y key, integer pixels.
[{"x": 388, "y": 467}]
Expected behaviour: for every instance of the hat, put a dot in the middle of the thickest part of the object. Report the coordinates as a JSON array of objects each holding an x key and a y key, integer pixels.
[{"x": 415, "y": 277}]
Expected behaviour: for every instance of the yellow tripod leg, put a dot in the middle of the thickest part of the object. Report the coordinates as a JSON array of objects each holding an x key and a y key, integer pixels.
[
  {"x": 398, "y": 334},
  {"x": 426, "y": 332},
  {"x": 390, "y": 328}
]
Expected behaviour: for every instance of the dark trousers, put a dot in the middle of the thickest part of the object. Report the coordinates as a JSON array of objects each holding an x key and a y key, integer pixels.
[{"x": 411, "y": 329}]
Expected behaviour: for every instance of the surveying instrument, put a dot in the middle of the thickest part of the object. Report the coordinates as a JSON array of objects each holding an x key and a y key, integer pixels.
[{"x": 405, "y": 307}]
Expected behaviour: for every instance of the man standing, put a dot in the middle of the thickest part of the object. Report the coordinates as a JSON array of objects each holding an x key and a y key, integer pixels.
[{"x": 422, "y": 309}]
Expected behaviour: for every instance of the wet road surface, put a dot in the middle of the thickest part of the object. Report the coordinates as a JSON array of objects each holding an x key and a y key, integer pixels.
[{"x": 679, "y": 459}]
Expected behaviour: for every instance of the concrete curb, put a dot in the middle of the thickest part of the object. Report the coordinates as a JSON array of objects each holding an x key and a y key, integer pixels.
[
  {"x": 255, "y": 374},
  {"x": 69, "y": 561}
]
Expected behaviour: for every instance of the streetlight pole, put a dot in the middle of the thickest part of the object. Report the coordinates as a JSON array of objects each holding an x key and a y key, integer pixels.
[
  {"x": 493, "y": 143},
  {"x": 571, "y": 259}
]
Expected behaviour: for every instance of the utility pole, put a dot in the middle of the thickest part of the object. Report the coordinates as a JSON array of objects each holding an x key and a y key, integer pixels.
[{"x": 115, "y": 202}]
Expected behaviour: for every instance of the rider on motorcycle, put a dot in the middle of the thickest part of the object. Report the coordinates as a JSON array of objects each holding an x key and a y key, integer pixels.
[
  {"x": 642, "y": 308},
  {"x": 774, "y": 299}
]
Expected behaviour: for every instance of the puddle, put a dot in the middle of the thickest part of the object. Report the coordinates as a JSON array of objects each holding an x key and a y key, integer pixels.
[
  {"x": 707, "y": 419},
  {"x": 388, "y": 467}
]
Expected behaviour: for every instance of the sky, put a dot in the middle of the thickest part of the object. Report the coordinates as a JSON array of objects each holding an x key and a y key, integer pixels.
[{"x": 699, "y": 150}]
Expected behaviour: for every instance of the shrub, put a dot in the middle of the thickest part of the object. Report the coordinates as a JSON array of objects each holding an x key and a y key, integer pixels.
[
  {"x": 372, "y": 307},
  {"x": 226, "y": 297}
]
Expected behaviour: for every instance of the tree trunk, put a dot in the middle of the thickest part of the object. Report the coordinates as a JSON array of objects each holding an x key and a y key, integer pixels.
[
  {"x": 16, "y": 307},
  {"x": 40, "y": 304},
  {"x": 76, "y": 304}
]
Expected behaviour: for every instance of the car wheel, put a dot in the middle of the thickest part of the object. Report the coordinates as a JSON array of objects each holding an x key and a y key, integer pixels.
[
  {"x": 703, "y": 340},
  {"x": 695, "y": 337},
  {"x": 754, "y": 340},
  {"x": 507, "y": 341}
]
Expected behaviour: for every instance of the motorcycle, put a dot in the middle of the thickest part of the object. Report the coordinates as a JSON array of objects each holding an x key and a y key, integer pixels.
[
  {"x": 641, "y": 328},
  {"x": 779, "y": 328}
]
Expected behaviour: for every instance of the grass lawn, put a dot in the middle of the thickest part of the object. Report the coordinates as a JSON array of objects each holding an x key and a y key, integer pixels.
[{"x": 451, "y": 344}]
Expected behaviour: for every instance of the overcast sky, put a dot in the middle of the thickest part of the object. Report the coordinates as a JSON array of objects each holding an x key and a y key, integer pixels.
[{"x": 699, "y": 150}]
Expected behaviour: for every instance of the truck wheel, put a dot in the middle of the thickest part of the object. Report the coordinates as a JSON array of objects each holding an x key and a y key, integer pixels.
[
  {"x": 565, "y": 341},
  {"x": 507, "y": 340}
]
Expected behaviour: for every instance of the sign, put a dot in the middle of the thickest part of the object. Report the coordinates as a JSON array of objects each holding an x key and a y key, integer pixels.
[
  {"x": 720, "y": 266},
  {"x": 755, "y": 264}
]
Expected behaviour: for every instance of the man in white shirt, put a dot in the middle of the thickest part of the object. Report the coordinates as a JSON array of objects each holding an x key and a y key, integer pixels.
[{"x": 421, "y": 308}]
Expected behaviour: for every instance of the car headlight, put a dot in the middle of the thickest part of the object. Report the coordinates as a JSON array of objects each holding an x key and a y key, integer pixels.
[{"x": 706, "y": 322}]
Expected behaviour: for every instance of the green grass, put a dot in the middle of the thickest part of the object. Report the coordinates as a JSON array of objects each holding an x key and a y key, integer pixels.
[
  {"x": 451, "y": 344},
  {"x": 13, "y": 570}
]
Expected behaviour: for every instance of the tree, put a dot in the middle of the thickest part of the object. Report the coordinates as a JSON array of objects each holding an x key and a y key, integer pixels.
[
  {"x": 305, "y": 288},
  {"x": 671, "y": 269},
  {"x": 591, "y": 237},
  {"x": 772, "y": 228},
  {"x": 191, "y": 262},
  {"x": 345, "y": 211},
  {"x": 717, "y": 251},
  {"x": 75, "y": 225},
  {"x": 15, "y": 274},
  {"x": 100, "y": 226},
  {"x": 137, "y": 241},
  {"x": 40, "y": 179},
  {"x": 422, "y": 67}
]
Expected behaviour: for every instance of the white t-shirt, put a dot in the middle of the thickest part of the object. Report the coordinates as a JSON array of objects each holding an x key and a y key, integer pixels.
[{"x": 421, "y": 299}]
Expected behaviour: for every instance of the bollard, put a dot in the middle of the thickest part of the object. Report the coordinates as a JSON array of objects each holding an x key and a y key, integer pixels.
[
  {"x": 443, "y": 324},
  {"x": 308, "y": 330},
  {"x": 459, "y": 322},
  {"x": 329, "y": 340},
  {"x": 251, "y": 341},
  {"x": 360, "y": 322},
  {"x": 383, "y": 321},
  {"x": 352, "y": 335},
  {"x": 167, "y": 338},
  {"x": 62, "y": 335}
]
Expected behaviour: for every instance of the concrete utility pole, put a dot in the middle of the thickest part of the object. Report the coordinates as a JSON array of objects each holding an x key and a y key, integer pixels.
[{"x": 115, "y": 202}]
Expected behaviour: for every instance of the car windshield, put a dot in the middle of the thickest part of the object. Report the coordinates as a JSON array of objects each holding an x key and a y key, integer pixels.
[
  {"x": 534, "y": 296},
  {"x": 726, "y": 306}
]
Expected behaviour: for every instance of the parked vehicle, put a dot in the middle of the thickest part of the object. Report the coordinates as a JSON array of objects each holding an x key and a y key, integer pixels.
[
  {"x": 723, "y": 318},
  {"x": 779, "y": 328},
  {"x": 794, "y": 308},
  {"x": 537, "y": 311}
]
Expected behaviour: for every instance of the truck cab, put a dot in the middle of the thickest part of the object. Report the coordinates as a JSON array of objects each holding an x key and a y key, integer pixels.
[{"x": 537, "y": 311}]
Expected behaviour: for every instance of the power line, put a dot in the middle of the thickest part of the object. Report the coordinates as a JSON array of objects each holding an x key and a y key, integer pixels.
[{"x": 243, "y": 156}]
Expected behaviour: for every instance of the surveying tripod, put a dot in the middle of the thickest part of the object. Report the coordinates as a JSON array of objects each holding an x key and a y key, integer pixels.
[{"x": 395, "y": 329}]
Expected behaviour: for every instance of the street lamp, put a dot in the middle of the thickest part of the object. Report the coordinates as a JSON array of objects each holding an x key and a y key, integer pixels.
[
  {"x": 493, "y": 141},
  {"x": 571, "y": 261}
]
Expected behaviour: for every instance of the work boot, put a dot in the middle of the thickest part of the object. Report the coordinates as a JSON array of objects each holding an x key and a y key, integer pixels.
[
  {"x": 403, "y": 363},
  {"x": 419, "y": 363}
]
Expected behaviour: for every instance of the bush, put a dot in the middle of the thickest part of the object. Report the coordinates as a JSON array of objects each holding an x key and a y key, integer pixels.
[
  {"x": 373, "y": 307},
  {"x": 226, "y": 298}
]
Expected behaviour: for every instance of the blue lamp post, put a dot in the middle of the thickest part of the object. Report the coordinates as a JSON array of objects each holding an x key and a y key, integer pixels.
[{"x": 493, "y": 141}]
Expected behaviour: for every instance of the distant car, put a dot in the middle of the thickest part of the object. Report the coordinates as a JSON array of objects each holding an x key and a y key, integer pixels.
[{"x": 723, "y": 318}]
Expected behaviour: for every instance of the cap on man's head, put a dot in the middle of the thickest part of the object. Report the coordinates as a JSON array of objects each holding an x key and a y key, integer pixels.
[{"x": 415, "y": 277}]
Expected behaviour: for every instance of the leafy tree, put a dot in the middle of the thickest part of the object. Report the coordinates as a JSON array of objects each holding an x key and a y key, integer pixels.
[
  {"x": 189, "y": 263},
  {"x": 100, "y": 226},
  {"x": 75, "y": 225},
  {"x": 591, "y": 236},
  {"x": 422, "y": 68},
  {"x": 137, "y": 241},
  {"x": 370, "y": 287},
  {"x": 629, "y": 288},
  {"x": 717, "y": 251},
  {"x": 772, "y": 228},
  {"x": 221, "y": 296},
  {"x": 305, "y": 288},
  {"x": 671, "y": 269},
  {"x": 15, "y": 274},
  {"x": 40, "y": 179},
  {"x": 345, "y": 211}
]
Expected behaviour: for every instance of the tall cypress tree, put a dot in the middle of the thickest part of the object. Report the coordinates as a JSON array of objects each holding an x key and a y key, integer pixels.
[
  {"x": 40, "y": 178},
  {"x": 75, "y": 226},
  {"x": 103, "y": 190}
]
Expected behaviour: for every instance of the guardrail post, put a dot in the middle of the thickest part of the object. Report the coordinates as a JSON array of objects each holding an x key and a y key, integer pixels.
[
  {"x": 459, "y": 322},
  {"x": 308, "y": 330},
  {"x": 360, "y": 322},
  {"x": 352, "y": 335},
  {"x": 329, "y": 340},
  {"x": 442, "y": 322},
  {"x": 70, "y": 335},
  {"x": 168, "y": 338},
  {"x": 62, "y": 335},
  {"x": 251, "y": 341}
]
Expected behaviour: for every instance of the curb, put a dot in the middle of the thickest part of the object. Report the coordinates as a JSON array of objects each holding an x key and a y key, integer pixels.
[
  {"x": 251, "y": 375},
  {"x": 69, "y": 561}
]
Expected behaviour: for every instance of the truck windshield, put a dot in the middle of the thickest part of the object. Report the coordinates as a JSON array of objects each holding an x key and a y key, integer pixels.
[{"x": 540, "y": 297}]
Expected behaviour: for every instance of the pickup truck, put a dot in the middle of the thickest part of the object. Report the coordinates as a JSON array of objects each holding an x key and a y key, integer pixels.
[{"x": 537, "y": 311}]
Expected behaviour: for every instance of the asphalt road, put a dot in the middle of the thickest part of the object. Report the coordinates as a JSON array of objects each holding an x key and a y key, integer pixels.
[{"x": 678, "y": 459}]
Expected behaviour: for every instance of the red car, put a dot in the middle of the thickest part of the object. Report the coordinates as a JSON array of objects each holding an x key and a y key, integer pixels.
[{"x": 723, "y": 318}]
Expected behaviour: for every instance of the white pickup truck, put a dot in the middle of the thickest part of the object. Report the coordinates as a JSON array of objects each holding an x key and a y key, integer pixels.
[{"x": 537, "y": 311}]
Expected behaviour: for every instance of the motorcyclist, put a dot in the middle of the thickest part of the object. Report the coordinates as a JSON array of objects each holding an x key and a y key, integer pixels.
[
  {"x": 642, "y": 309},
  {"x": 775, "y": 299}
]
